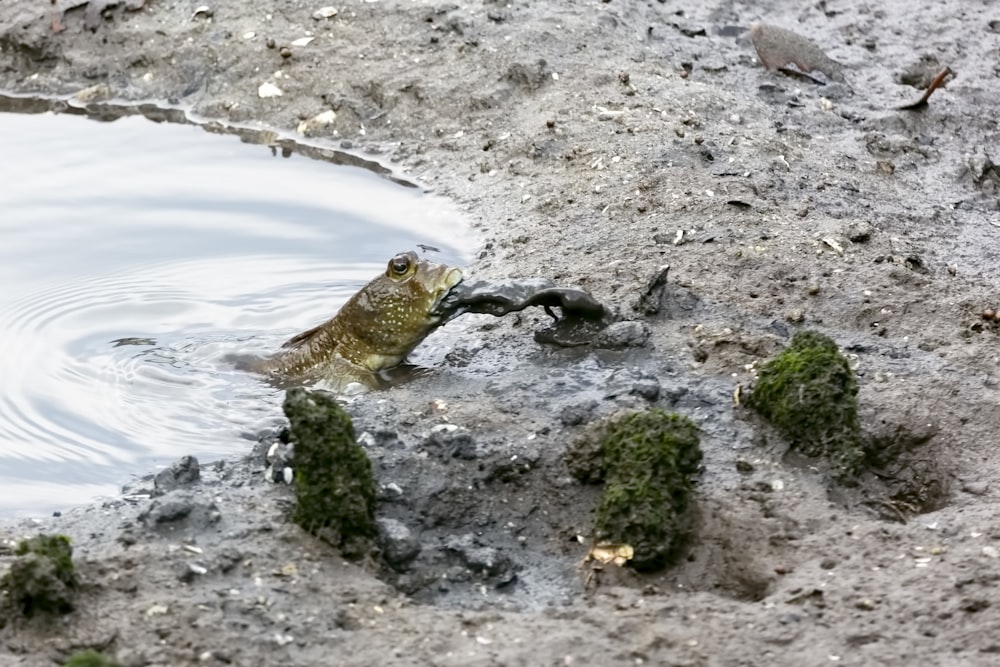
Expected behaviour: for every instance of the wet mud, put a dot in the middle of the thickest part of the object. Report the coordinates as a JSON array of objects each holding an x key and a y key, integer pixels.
[{"x": 637, "y": 151}]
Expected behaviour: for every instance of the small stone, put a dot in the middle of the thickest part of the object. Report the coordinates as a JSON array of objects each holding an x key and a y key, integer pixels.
[
  {"x": 96, "y": 93},
  {"x": 578, "y": 413},
  {"x": 647, "y": 388},
  {"x": 858, "y": 231},
  {"x": 268, "y": 89},
  {"x": 399, "y": 546},
  {"x": 795, "y": 315},
  {"x": 744, "y": 466},
  {"x": 184, "y": 472},
  {"x": 621, "y": 335},
  {"x": 317, "y": 123},
  {"x": 975, "y": 488},
  {"x": 285, "y": 52},
  {"x": 324, "y": 13},
  {"x": 885, "y": 167},
  {"x": 454, "y": 441},
  {"x": 180, "y": 508},
  {"x": 481, "y": 559},
  {"x": 972, "y": 605},
  {"x": 190, "y": 571}
]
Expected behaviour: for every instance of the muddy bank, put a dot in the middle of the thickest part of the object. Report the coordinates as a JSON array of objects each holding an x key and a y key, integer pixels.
[{"x": 593, "y": 144}]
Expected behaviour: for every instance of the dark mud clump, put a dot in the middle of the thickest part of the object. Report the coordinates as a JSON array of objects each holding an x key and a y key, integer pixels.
[
  {"x": 809, "y": 393},
  {"x": 646, "y": 459},
  {"x": 911, "y": 478},
  {"x": 42, "y": 579},
  {"x": 334, "y": 484}
]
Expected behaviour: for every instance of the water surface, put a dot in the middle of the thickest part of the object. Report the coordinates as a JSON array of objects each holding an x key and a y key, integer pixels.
[{"x": 136, "y": 256}]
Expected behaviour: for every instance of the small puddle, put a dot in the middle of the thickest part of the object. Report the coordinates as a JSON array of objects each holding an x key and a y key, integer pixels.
[{"x": 137, "y": 255}]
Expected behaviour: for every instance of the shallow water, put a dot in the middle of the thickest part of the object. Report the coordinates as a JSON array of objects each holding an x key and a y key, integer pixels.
[{"x": 136, "y": 257}]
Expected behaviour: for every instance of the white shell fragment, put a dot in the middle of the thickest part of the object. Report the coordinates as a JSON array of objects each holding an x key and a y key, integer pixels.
[
  {"x": 309, "y": 127},
  {"x": 324, "y": 13},
  {"x": 268, "y": 89},
  {"x": 303, "y": 41},
  {"x": 833, "y": 244},
  {"x": 202, "y": 10}
]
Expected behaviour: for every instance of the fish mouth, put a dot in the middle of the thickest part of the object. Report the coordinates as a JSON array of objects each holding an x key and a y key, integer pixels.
[
  {"x": 443, "y": 305},
  {"x": 452, "y": 278}
]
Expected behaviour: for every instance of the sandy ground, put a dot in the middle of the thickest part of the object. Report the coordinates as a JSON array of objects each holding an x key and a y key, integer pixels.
[{"x": 593, "y": 143}]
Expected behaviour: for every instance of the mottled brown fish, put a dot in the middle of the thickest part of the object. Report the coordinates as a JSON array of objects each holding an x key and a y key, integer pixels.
[
  {"x": 777, "y": 47},
  {"x": 374, "y": 330}
]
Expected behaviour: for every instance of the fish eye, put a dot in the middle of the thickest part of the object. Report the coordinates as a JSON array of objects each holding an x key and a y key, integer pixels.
[{"x": 399, "y": 265}]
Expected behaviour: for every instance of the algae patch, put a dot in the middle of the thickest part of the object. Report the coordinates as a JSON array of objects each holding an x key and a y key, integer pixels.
[
  {"x": 809, "y": 393},
  {"x": 646, "y": 459},
  {"x": 90, "y": 658},
  {"x": 334, "y": 483},
  {"x": 42, "y": 579}
]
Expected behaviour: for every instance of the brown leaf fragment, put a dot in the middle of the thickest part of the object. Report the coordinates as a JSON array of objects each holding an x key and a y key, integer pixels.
[
  {"x": 777, "y": 48},
  {"x": 938, "y": 82}
]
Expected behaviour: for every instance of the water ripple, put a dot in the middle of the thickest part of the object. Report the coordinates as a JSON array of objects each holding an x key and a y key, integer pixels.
[{"x": 163, "y": 251}]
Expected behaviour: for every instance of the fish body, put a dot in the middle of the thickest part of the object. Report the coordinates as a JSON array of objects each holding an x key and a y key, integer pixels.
[
  {"x": 777, "y": 47},
  {"x": 375, "y": 330}
]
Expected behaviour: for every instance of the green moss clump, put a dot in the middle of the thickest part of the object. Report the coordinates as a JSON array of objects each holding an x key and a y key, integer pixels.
[
  {"x": 89, "y": 658},
  {"x": 809, "y": 393},
  {"x": 334, "y": 484},
  {"x": 648, "y": 457},
  {"x": 42, "y": 579}
]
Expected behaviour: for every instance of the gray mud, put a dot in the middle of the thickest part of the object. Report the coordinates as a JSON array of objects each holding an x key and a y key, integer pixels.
[{"x": 593, "y": 143}]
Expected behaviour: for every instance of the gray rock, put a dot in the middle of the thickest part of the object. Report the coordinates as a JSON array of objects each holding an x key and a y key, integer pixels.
[
  {"x": 182, "y": 473},
  {"x": 456, "y": 442},
  {"x": 399, "y": 545},
  {"x": 180, "y": 509},
  {"x": 481, "y": 559},
  {"x": 648, "y": 387},
  {"x": 621, "y": 335},
  {"x": 578, "y": 413}
]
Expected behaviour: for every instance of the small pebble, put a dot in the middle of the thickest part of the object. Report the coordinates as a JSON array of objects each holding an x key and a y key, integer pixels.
[
  {"x": 268, "y": 89},
  {"x": 324, "y": 13}
]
